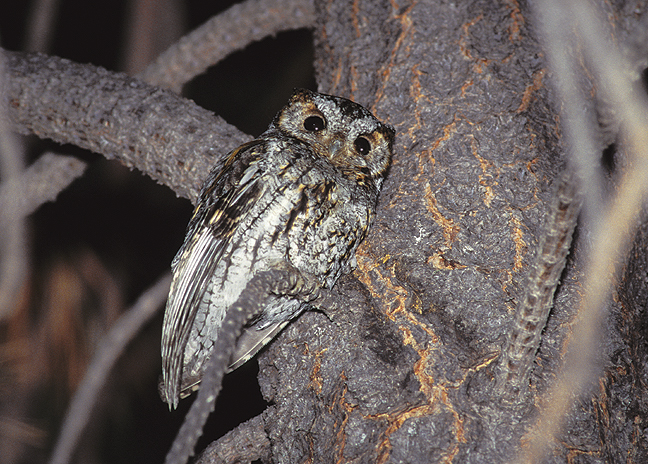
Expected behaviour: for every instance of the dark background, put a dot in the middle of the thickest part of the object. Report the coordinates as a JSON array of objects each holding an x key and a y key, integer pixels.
[{"x": 110, "y": 236}]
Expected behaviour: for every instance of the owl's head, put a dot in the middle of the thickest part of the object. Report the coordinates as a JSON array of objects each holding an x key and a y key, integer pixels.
[{"x": 342, "y": 131}]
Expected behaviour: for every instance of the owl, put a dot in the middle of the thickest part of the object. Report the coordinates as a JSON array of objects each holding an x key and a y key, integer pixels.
[{"x": 302, "y": 195}]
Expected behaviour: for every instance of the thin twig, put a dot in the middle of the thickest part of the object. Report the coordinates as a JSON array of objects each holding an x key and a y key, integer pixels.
[
  {"x": 48, "y": 176},
  {"x": 20, "y": 196},
  {"x": 612, "y": 234},
  {"x": 13, "y": 242},
  {"x": 151, "y": 27},
  {"x": 41, "y": 25},
  {"x": 232, "y": 30},
  {"x": 108, "y": 351}
]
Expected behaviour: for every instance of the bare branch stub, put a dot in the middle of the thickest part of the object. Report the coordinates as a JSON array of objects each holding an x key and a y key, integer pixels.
[
  {"x": 246, "y": 443},
  {"x": 111, "y": 347}
]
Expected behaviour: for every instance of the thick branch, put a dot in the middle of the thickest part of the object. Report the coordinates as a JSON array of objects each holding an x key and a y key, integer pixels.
[
  {"x": 167, "y": 137},
  {"x": 13, "y": 243}
]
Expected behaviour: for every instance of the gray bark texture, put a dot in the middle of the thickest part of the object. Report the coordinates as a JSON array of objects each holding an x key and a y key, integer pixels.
[
  {"x": 398, "y": 366},
  {"x": 397, "y": 363}
]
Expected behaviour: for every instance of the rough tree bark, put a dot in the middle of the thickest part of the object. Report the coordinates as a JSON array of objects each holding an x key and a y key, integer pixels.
[
  {"x": 398, "y": 366},
  {"x": 392, "y": 371},
  {"x": 397, "y": 363}
]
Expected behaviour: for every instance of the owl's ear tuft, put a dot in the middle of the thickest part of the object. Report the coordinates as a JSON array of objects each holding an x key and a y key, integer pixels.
[{"x": 300, "y": 94}]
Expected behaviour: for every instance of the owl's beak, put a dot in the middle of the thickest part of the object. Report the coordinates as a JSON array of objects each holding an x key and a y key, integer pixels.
[{"x": 336, "y": 146}]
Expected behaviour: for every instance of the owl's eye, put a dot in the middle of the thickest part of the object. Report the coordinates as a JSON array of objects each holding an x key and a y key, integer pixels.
[
  {"x": 314, "y": 124},
  {"x": 362, "y": 146}
]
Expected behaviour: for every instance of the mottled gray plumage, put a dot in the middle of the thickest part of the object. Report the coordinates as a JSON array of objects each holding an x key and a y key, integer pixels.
[{"x": 300, "y": 196}]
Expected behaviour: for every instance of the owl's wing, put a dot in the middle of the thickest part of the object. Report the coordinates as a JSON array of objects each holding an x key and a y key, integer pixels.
[{"x": 212, "y": 226}]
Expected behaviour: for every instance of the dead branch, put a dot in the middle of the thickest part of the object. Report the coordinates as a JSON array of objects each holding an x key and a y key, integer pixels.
[
  {"x": 232, "y": 30},
  {"x": 41, "y": 182}
]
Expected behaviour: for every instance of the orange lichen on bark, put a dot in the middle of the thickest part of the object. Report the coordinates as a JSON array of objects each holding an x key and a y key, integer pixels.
[
  {"x": 369, "y": 273},
  {"x": 440, "y": 262},
  {"x": 406, "y": 30},
  {"x": 520, "y": 244},
  {"x": 478, "y": 63},
  {"x": 517, "y": 20},
  {"x": 448, "y": 131},
  {"x": 448, "y": 227},
  {"x": 315, "y": 375},
  {"x": 354, "y": 81},
  {"x": 437, "y": 400},
  {"x": 465, "y": 86},
  {"x": 338, "y": 75},
  {"x": 341, "y": 402},
  {"x": 379, "y": 279},
  {"x": 416, "y": 93},
  {"x": 488, "y": 175},
  {"x": 527, "y": 96},
  {"x": 355, "y": 10}
]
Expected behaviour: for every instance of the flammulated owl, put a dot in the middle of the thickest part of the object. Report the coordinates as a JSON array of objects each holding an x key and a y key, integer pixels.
[{"x": 301, "y": 195}]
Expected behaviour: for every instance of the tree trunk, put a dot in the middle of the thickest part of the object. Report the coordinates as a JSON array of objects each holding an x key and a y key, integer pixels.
[{"x": 398, "y": 365}]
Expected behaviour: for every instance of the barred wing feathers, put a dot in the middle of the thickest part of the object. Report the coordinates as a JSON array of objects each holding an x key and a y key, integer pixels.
[{"x": 209, "y": 231}]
